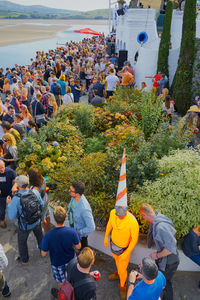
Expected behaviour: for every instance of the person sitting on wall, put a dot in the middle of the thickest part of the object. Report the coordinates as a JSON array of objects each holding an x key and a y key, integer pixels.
[{"x": 191, "y": 245}]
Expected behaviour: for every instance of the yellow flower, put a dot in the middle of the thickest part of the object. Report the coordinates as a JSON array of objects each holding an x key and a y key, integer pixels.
[
  {"x": 36, "y": 147},
  {"x": 117, "y": 115},
  {"x": 49, "y": 148},
  {"x": 22, "y": 165},
  {"x": 161, "y": 174}
]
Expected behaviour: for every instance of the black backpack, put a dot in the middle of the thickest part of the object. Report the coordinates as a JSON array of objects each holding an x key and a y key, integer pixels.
[
  {"x": 56, "y": 89},
  {"x": 31, "y": 208},
  {"x": 50, "y": 110}
]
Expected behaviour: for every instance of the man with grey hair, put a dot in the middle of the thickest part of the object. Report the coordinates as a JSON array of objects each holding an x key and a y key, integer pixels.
[
  {"x": 162, "y": 231},
  {"x": 152, "y": 284},
  {"x": 26, "y": 205}
]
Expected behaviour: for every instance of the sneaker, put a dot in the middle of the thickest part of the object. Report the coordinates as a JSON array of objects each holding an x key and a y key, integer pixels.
[
  {"x": 3, "y": 224},
  {"x": 6, "y": 291},
  {"x": 113, "y": 276},
  {"x": 22, "y": 262},
  {"x": 54, "y": 292},
  {"x": 7, "y": 295}
]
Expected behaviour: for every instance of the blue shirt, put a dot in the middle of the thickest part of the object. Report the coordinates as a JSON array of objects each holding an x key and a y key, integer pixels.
[
  {"x": 82, "y": 216},
  {"x": 59, "y": 242},
  {"x": 75, "y": 92},
  {"x": 191, "y": 244},
  {"x": 144, "y": 291},
  {"x": 14, "y": 209},
  {"x": 63, "y": 86}
]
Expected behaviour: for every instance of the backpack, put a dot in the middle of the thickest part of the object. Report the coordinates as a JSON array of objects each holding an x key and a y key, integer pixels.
[
  {"x": 31, "y": 208},
  {"x": 56, "y": 89},
  {"x": 89, "y": 282},
  {"x": 50, "y": 110},
  {"x": 66, "y": 292}
]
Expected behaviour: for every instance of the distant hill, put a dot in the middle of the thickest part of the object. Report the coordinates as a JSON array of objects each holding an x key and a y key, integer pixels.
[
  {"x": 92, "y": 14},
  {"x": 10, "y": 10},
  {"x": 14, "y": 7}
]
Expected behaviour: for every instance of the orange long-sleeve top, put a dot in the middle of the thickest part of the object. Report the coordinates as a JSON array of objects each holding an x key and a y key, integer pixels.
[{"x": 124, "y": 232}]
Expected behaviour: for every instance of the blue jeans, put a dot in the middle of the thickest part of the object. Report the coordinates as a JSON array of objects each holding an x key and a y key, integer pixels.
[{"x": 196, "y": 259}]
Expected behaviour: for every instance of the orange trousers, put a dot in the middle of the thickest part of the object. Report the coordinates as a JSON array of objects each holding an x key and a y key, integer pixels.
[{"x": 122, "y": 265}]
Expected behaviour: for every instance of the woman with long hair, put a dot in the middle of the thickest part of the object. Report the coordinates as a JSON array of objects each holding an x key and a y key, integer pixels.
[
  {"x": 168, "y": 107},
  {"x": 25, "y": 115},
  {"x": 52, "y": 106},
  {"x": 62, "y": 84},
  {"x": 68, "y": 97},
  {"x": 33, "y": 128},
  {"x": 15, "y": 102},
  {"x": 58, "y": 69},
  {"x": 10, "y": 150},
  {"x": 37, "y": 181}
]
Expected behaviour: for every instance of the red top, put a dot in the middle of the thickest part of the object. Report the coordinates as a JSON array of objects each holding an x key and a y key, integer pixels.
[{"x": 156, "y": 79}]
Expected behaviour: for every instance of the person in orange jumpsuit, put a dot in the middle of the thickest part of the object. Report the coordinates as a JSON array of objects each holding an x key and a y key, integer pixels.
[{"x": 123, "y": 229}]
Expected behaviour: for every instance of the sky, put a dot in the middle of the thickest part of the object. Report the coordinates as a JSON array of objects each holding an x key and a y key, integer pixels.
[{"x": 82, "y": 5}]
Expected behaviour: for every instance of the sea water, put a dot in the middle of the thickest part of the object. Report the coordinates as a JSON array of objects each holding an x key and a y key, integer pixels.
[{"x": 22, "y": 53}]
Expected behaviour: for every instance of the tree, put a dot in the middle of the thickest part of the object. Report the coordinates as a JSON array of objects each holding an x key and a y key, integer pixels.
[
  {"x": 165, "y": 41},
  {"x": 182, "y": 84}
]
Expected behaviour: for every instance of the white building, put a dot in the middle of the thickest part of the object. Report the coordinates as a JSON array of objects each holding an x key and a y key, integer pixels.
[{"x": 135, "y": 23}]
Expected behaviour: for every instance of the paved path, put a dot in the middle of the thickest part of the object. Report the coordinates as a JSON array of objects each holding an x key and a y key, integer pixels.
[{"x": 34, "y": 281}]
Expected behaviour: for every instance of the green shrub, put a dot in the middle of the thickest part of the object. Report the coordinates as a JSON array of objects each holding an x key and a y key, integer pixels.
[
  {"x": 95, "y": 144},
  {"x": 176, "y": 193},
  {"x": 165, "y": 41},
  {"x": 182, "y": 83},
  {"x": 165, "y": 140},
  {"x": 91, "y": 169},
  {"x": 84, "y": 119},
  {"x": 150, "y": 115},
  {"x": 125, "y": 100},
  {"x": 198, "y": 66},
  {"x": 141, "y": 166}
]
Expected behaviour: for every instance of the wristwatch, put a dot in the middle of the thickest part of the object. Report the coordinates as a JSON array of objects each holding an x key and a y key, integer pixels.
[{"x": 131, "y": 283}]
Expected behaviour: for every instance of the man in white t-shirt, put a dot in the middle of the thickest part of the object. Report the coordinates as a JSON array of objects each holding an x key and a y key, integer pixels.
[{"x": 112, "y": 81}]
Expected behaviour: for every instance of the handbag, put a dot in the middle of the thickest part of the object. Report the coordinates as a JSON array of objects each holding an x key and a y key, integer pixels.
[
  {"x": 116, "y": 249},
  {"x": 38, "y": 118}
]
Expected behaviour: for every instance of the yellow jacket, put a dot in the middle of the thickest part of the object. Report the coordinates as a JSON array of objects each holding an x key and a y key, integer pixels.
[{"x": 124, "y": 232}]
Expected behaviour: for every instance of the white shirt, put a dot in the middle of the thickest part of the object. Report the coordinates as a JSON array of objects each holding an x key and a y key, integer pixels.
[
  {"x": 111, "y": 82},
  {"x": 170, "y": 110},
  {"x": 68, "y": 98}
]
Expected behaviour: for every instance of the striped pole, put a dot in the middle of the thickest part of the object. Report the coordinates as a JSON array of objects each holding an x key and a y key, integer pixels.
[{"x": 122, "y": 189}]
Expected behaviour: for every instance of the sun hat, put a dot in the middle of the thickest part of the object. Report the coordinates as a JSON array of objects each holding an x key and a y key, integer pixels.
[
  {"x": 22, "y": 180},
  {"x": 194, "y": 108}
]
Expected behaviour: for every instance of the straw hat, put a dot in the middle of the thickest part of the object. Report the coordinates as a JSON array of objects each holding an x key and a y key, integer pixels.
[{"x": 194, "y": 108}]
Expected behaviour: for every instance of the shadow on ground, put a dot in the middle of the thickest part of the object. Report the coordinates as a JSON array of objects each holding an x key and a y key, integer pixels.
[{"x": 34, "y": 281}]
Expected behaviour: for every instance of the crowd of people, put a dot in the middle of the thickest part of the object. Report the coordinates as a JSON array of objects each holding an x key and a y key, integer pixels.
[{"x": 29, "y": 97}]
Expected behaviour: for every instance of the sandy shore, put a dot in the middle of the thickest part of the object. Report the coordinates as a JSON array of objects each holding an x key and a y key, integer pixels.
[{"x": 20, "y": 31}]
